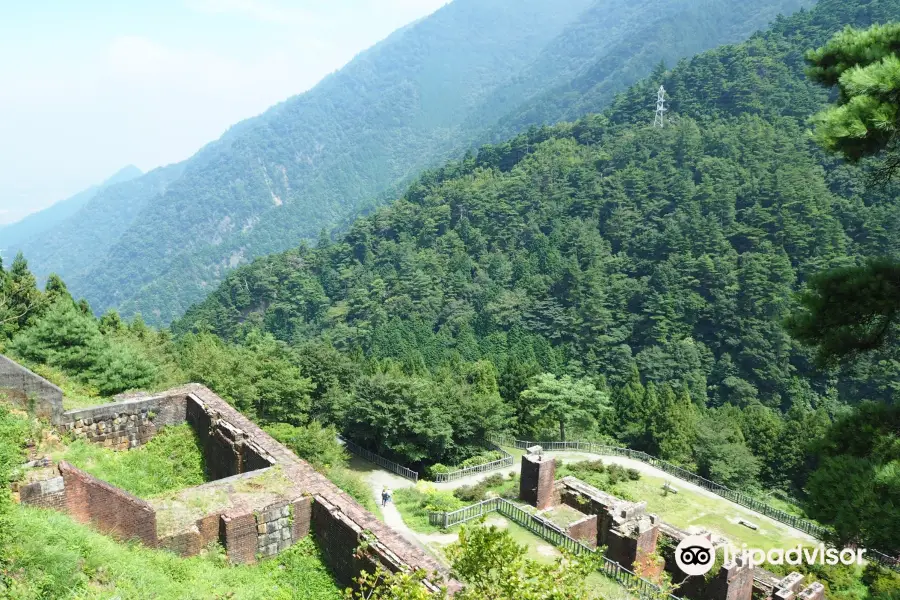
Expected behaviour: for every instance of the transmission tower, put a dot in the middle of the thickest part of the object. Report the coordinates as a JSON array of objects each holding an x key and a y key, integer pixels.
[{"x": 660, "y": 108}]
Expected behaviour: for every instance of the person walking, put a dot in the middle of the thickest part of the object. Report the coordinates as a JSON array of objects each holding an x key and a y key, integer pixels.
[
  {"x": 388, "y": 495},
  {"x": 384, "y": 496}
]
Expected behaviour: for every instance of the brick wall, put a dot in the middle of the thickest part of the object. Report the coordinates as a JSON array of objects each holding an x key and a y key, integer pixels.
[
  {"x": 50, "y": 493},
  {"x": 536, "y": 486},
  {"x": 585, "y": 530},
  {"x": 239, "y": 536},
  {"x": 339, "y": 537},
  {"x": 128, "y": 423},
  {"x": 228, "y": 449},
  {"x": 28, "y": 390},
  {"x": 108, "y": 508}
]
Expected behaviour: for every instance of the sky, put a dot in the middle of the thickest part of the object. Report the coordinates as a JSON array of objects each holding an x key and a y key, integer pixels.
[{"x": 89, "y": 87}]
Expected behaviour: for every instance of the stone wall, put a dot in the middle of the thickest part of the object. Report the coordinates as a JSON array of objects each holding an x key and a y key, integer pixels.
[
  {"x": 109, "y": 509},
  {"x": 126, "y": 424},
  {"x": 49, "y": 493},
  {"x": 28, "y": 390},
  {"x": 274, "y": 529}
]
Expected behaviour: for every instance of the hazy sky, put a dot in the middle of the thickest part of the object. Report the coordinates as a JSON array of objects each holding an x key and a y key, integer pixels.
[{"x": 88, "y": 87}]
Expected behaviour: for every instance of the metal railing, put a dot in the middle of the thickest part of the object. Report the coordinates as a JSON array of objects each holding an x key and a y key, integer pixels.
[
  {"x": 741, "y": 498},
  {"x": 380, "y": 460},
  {"x": 634, "y": 583},
  {"x": 507, "y": 461}
]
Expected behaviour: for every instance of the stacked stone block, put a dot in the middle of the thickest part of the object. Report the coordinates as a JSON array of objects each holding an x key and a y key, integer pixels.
[
  {"x": 127, "y": 424},
  {"x": 275, "y": 528}
]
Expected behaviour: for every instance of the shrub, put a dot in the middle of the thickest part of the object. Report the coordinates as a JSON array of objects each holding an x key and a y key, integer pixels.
[
  {"x": 633, "y": 474},
  {"x": 494, "y": 480},
  {"x": 312, "y": 442},
  {"x": 470, "y": 493},
  {"x": 438, "y": 469}
]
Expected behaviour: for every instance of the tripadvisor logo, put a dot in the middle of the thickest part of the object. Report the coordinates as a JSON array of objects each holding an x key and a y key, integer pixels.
[{"x": 695, "y": 555}]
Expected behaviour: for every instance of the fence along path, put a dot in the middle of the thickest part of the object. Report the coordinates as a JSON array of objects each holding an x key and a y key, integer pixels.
[
  {"x": 380, "y": 460},
  {"x": 508, "y": 460},
  {"x": 634, "y": 583},
  {"x": 794, "y": 521}
]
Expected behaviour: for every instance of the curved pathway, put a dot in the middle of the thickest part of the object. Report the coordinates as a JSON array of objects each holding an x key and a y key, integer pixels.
[{"x": 379, "y": 478}]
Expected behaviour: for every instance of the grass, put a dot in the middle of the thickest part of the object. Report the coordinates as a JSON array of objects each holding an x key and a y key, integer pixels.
[
  {"x": 356, "y": 486},
  {"x": 414, "y": 504},
  {"x": 172, "y": 460},
  {"x": 690, "y": 509},
  {"x": 55, "y": 557}
]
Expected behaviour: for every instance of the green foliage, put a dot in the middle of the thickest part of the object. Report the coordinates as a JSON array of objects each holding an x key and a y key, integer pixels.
[
  {"x": 171, "y": 460},
  {"x": 414, "y": 503},
  {"x": 856, "y": 486},
  {"x": 865, "y": 66},
  {"x": 13, "y": 432},
  {"x": 259, "y": 376},
  {"x": 312, "y": 442},
  {"x": 563, "y": 402},
  {"x": 68, "y": 339},
  {"x": 493, "y": 567},
  {"x": 55, "y": 557},
  {"x": 398, "y": 416}
]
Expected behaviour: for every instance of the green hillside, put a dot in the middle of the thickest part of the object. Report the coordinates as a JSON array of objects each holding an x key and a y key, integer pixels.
[
  {"x": 406, "y": 104},
  {"x": 647, "y": 260},
  {"x": 14, "y": 234}
]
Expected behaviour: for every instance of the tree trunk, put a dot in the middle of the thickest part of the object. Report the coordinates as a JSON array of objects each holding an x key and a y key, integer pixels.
[{"x": 562, "y": 430}]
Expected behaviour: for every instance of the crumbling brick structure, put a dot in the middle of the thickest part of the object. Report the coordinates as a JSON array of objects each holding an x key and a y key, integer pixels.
[{"x": 262, "y": 500}]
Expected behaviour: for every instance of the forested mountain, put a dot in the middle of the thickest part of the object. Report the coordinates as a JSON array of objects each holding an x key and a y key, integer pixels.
[
  {"x": 409, "y": 102},
  {"x": 651, "y": 260},
  {"x": 656, "y": 32},
  {"x": 86, "y": 236},
  {"x": 14, "y": 234},
  {"x": 595, "y": 242}
]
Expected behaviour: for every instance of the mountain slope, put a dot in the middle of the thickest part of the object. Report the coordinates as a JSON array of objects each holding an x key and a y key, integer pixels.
[
  {"x": 592, "y": 243},
  {"x": 636, "y": 37},
  {"x": 310, "y": 162},
  {"x": 86, "y": 236},
  {"x": 15, "y": 233}
]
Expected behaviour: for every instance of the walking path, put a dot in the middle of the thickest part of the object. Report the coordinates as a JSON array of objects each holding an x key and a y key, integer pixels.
[{"x": 378, "y": 479}]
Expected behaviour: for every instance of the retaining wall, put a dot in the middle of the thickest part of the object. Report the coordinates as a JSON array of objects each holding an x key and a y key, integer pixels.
[
  {"x": 108, "y": 508},
  {"x": 30, "y": 391},
  {"x": 128, "y": 423}
]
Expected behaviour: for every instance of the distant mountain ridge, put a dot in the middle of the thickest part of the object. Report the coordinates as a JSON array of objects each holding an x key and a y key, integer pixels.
[
  {"x": 13, "y": 234},
  {"x": 424, "y": 94}
]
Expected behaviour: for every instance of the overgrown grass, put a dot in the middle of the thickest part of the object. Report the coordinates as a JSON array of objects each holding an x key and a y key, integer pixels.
[
  {"x": 55, "y": 558},
  {"x": 414, "y": 504},
  {"x": 76, "y": 394},
  {"x": 354, "y": 485},
  {"x": 172, "y": 460}
]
